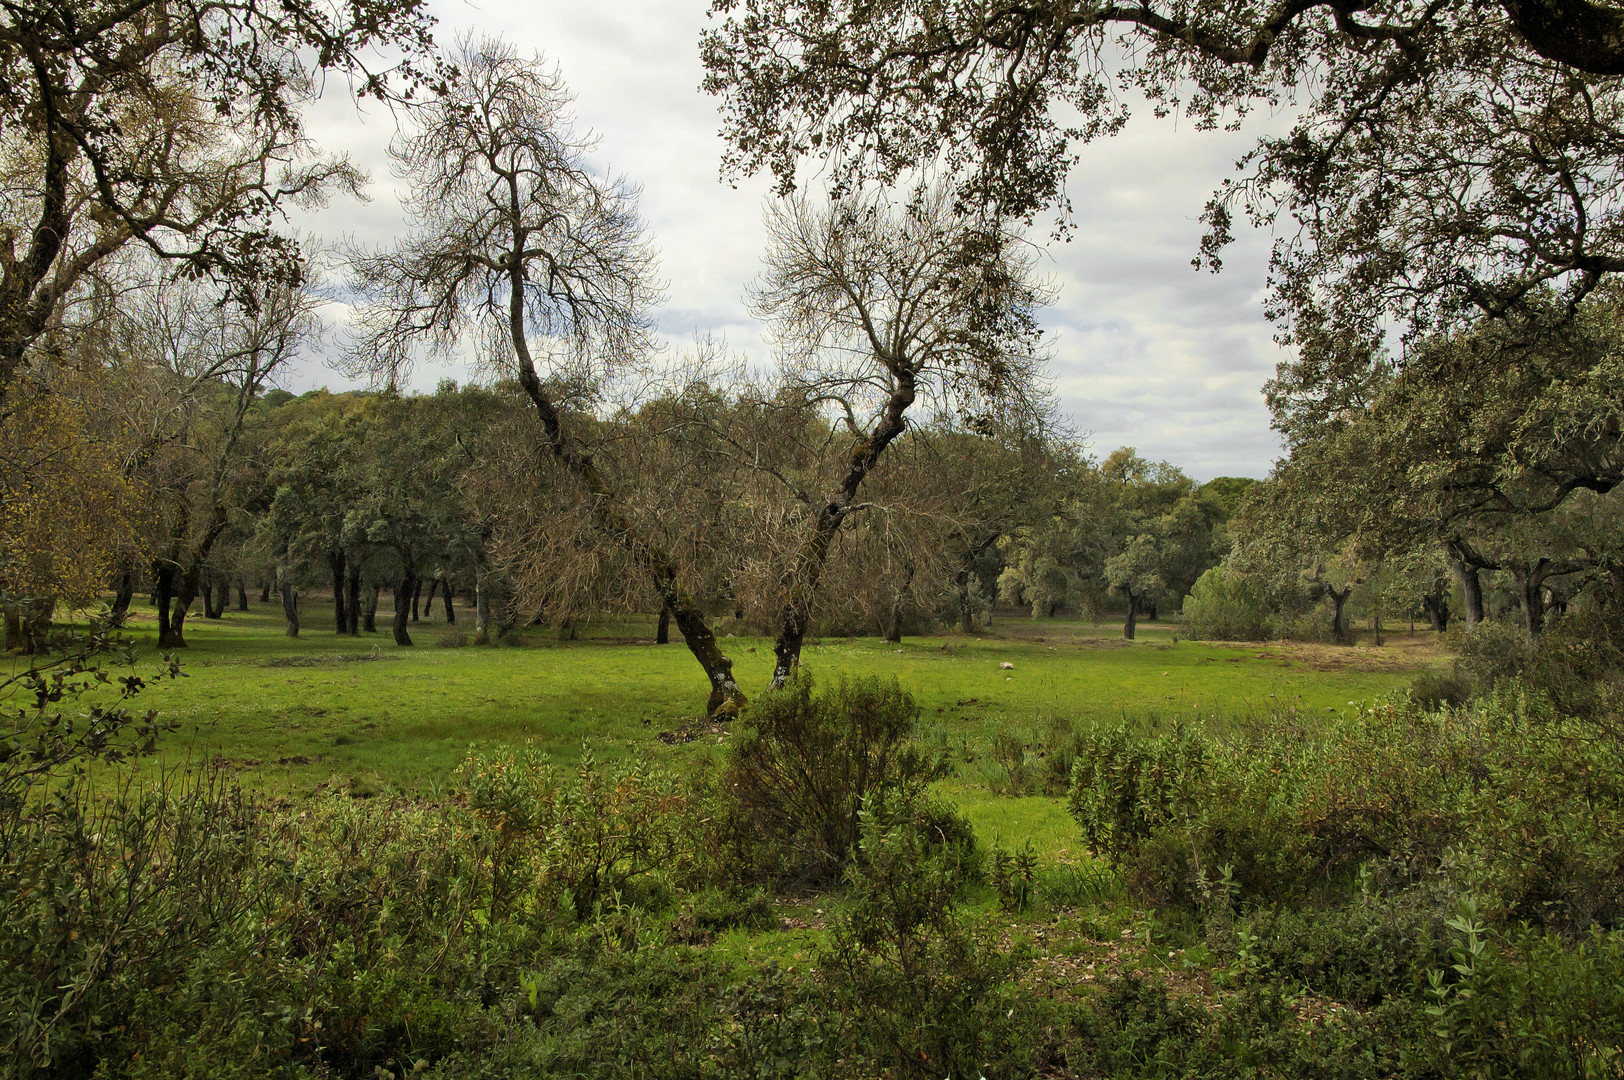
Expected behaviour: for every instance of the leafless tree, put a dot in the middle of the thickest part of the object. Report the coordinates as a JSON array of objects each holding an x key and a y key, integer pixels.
[
  {"x": 875, "y": 306},
  {"x": 516, "y": 239}
]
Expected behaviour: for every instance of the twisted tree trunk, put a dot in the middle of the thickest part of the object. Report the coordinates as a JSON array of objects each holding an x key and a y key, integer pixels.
[{"x": 799, "y": 583}]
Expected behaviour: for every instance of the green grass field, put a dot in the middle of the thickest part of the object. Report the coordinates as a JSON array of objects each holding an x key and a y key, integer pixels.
[{"x": 294, "y": 716}]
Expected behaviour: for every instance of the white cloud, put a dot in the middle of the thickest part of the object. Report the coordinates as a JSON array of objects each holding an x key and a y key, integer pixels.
[{"x": 1148, "y": 353}]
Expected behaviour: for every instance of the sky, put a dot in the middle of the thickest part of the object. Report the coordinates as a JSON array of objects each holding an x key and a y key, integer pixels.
[{"x": 1147, "y": 351}]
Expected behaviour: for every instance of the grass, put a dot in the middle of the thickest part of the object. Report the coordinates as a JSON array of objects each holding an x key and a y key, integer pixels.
[{"x": 295, "y": 715}]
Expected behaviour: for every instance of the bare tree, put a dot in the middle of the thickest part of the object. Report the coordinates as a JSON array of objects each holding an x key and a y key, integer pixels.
[
  {"x": 173, "y": 124},
  {"x": 874, "y": 306},
  {"x": 517, "y": 239}
]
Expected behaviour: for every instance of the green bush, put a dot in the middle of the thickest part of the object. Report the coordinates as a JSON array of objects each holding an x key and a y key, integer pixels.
[
  {"x": 1506, "y": 800},
  {"x": 600, "y": 833},
  {"x": 1224, "y": 606},
  {"x": 805, "y": 766},
  {"x": 1577, "y": 663},
  {"x": 925, "y": 995},
  {"x": 1433, "y": 690}
]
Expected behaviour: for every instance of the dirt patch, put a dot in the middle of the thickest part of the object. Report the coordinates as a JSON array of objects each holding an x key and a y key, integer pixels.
[{"x": 1400, "y": 653}]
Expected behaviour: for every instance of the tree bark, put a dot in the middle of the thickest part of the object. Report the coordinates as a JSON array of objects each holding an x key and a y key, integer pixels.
[
  {"x": 335, "y": 569},
  {"x": 352, "y": 601},
  {"x": 1436, "y": 605},
  {"x": 242, "y": 594},
  {"x": 893, "y": 628},
  {"x": 1530, "y": 579},
  {"x": 662, "y": 632},
  {"x": 370, "y": 618},
  {"x": 417, "y": 594},
  {"x": 265, "y": 591},
  {"x": 121, "y": 599},
  {"x": 163, "y": 593},
  {"x": 428, "y": 602},
  {"x": 961, "y": 582},
  {"x": 290, "y": 604},
  {"x": 1130, "y": 626},
  {"x": 405, "y": 587},
  {"x": 1339, "y": 631},
  {"x": 214, "y": 595},
  {"x": 445, "y": 598},
  {"x": 799, "y": 584},
  {"x": 1466, "y": 575}
]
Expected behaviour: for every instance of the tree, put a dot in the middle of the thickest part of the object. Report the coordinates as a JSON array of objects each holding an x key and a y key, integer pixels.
[
  {"x": 175, "y": 124},
  {"x": 874, "y": 305},
  {"x": 515, "y": 237},
  {"x": 1449, "y": 157}
]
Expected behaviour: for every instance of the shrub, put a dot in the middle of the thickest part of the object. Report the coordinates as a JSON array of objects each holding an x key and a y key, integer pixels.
[
  {"x": 581, "y": 840},
  {"x": 807, "y": 764},
  {"x": 1433, "y": 690},
  {"x": 1509, "y": 802},
  {"x": 1577, "y": 663},
  {"x": 1224, "y": 605},
  {"x": 923, "y": 992}
]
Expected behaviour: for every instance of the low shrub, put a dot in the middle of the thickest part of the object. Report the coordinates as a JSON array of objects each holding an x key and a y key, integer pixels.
[
  {"x": 1508, "y": 801},
  {"x": 804, "y": 767}
]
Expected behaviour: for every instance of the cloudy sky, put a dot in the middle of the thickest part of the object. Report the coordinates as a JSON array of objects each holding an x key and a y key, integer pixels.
[{"x": 1148, "y": 352}]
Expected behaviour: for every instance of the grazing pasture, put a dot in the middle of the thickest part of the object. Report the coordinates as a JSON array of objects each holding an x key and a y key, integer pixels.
[{"x": 293, "y": 715}]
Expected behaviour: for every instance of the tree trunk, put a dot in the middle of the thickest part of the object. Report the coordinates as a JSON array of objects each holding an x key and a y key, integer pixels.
[
  {"x": 445, "y": 598},
  {"x": 214, "y": 596},
  {"x": 1151, "y": 609},
  {"x": 14, "y": 629},
  {"x": 163, "y": 589},
  {"x": 352, "y": 601},
  {"x": 186, "y": 589},
  {"x": 417, "y": 594},
  {"x": 335, "y": 568},
  {"x": 1466, "y": 575},
  {"x": 428, "y": 602},
  {"x": 405, "y": 588},
  {"x": 1131, "y": 625},
  {"x": 121, "y": 599},
  {"x": 290, "y": 604},
  {"x": 35, "y": 625},
  {"x": 662, "y": 632},
  {"x": 1530, "y": 579},
  {"x": 893, "y": 629},
  {"x": 1339, "y": 631},
  {"x": 961, "y": 582},
  {"x": 242, "y": 594},
  {"x": 370, "y": 619},
  {"x": 265, "y": 591},
  {"x": 725, "y": 697},
  {"x": 799, "y": 584},
  {"x": 1436, "y": 605}
]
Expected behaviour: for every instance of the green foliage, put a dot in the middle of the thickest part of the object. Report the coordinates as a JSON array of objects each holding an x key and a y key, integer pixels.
[
  {"x": 923, "y": 991},
  {"x": 807, "y": 764},
  {"x": 1434, "y": 690},
  {"x": 1225, "y": 606},
  {"x": 1014, "y": 877},
  {"x": 1508, "y": 802},
  {"x": 1124, "y": 788},
  {"x": 66, "y": 709},
  {"x": 1578, "y": 662},
  {"x": 579, "y": 841}
]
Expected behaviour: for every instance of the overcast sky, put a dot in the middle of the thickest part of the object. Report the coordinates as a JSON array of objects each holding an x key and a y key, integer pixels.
[{"x": 1148, "y": 352}]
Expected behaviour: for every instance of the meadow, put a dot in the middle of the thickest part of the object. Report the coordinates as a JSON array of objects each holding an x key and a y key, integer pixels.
[
  {"x": 538, "y": 859},
  {"x": 297, "y": 715}
]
